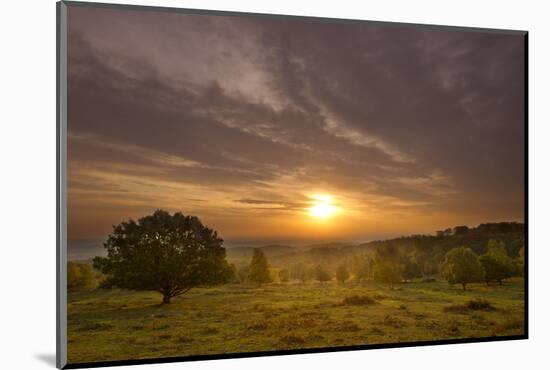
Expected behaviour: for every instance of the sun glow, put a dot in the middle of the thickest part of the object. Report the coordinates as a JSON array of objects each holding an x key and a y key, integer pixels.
[{"x": 322, "y": 207}]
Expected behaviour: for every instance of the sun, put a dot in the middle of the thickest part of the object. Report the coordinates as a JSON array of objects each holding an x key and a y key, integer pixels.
[{"x": 322, "y": 207}]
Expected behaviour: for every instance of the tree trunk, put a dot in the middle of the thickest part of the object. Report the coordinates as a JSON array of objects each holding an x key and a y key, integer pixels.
[
  {"x": 165, "y": 298},
  {"x": 463, "y": 286}
]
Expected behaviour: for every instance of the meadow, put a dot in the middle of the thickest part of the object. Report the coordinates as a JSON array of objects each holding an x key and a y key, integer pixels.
[{"x": 116, "y": 324}]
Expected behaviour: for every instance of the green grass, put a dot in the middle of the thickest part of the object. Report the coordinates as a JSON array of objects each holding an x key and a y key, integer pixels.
[{"x": 116, "y": 324}]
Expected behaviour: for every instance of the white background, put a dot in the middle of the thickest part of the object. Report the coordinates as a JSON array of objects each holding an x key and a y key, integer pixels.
[{"x": 27, "y": 183}]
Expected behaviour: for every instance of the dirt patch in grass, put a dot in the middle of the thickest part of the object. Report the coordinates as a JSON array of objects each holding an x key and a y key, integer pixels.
[
  {"x": 429, "y": 280},
  {"x": 377, "y": 331},
  {"x": 472, "y": 305},
  {"x": 258, "y": 326},
  {"x": 294, "y": 323},
  {"x": 209, "y": 331},
  {"x": 160, "y": 327},
  {"x": 393, "y": 322},
  {"x": 291, "y": 340},
  {"x": 512, "y": 324},
  {"x": 347, "y": 326},
  {"x": 184, "y": 340},
  {"x": 358, "y": 300},
  {"x": 95, "y": 326}
]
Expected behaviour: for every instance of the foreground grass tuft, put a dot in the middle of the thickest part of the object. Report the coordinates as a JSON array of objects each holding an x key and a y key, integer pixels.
[
  {"x": 95, "y": 327},
  {"x": 477, "y": 304}
]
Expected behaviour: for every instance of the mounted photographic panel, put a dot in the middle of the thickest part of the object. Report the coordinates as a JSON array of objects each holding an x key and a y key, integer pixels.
[{"x": 235, "y": 184}]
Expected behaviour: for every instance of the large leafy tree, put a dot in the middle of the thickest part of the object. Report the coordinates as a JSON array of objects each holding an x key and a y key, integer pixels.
[
  {"x": 169, "y": 254},
  {"x": 461, "y": 266}
]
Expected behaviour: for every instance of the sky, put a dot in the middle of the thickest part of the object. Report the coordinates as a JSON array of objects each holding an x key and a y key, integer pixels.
[{"x": 291, "y": 129}]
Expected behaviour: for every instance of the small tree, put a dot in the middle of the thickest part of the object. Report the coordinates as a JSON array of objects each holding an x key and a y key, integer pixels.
[
  {"x": 461, "y": 266},
  {"x": 362, "y": 266},
  {"x": 321, "y": 274},
  {"x": 232, "y": 274},
  {"x": 242, "y": 274},
  {"x": 342, "y": 273},
  {"x": 496, "y": 248},
  {"x": 81, "y": 276},
  {"x": 299, "y": 272},
  {"x": 259, "y": 269},
  {"x": 497, "y": 267},
  {"x": 284, "y": 275},
  {"x": 169, "y": 254},
  {"x": 411, "y": 268},
  {"x": 387, "y": 267}
]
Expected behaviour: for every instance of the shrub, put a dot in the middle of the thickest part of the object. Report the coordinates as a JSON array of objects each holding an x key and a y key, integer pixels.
[
  {"x": 322, "y": 275},
  {"x": 81, "y": 276},
  {"x": 284, "y": 275},
  {"x": 358, "y": 300},
  {"x": 472, "y": 305}
]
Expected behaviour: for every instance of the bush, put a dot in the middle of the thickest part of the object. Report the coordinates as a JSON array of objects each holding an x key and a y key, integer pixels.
[
  {"x": 472, "y": 305},
  {"x": 322, "y": 275},
  {"x": 358, "y": 300},
  {"x": 342, "y": 274},
  {"x": 81, "y": 276},
  {"x": 284, "y": 275}
]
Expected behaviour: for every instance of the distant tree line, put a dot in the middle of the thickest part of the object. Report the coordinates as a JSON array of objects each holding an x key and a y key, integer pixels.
[
  {"x": 389, "y": 265},
  {"x": 173, "y": 253}
]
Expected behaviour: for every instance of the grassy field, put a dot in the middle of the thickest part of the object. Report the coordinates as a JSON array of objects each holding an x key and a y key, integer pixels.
[{"x": 116, "y": 325}]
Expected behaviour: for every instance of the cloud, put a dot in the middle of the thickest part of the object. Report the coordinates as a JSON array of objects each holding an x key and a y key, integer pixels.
[{"x": 211, "y": 108}]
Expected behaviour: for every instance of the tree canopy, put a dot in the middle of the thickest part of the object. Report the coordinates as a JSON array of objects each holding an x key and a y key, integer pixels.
[
  {"x": 497, "y": 263},
  {"x": 259, "y": 269},
  {"x": 321, "y": 274},
  {"x": 342, "y": 273},
  {"x": 461, "y": 266},
  {"x": 169, "y": 254},
  {"x": 388, "y": 268}
]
